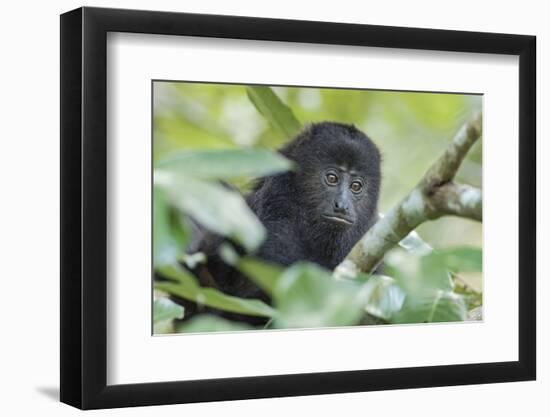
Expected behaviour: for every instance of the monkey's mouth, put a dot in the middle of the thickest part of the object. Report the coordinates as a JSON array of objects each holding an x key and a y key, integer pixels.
[{"x": 337, "y": 219}]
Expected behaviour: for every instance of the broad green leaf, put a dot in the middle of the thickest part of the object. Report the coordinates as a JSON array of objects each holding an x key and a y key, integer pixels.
[
  {"x": 165, "y": 309},
  {"x": 225, "y": 164},
  {"x": 217, "y": 208},
  {"x": 169, "y": 238},
  {"x": 432, "y": 306},
  {"x": 216, "y": 299},
  {"x": 416, "y": 273},
  {"x": 434, "y": 273},
  {"x": 178, "y": 274},
  {"x": 263, "y": 273},
  {"x": 307, "y": 296},
  {"x": 462, "y": 259},
  {"x": 253, "y": 307},
  {"x": 186, "y": 287},
  {"x": 210, "y": 323},
  {"x": 279, "y": 115},
  {"x": 428, "y": 287}
]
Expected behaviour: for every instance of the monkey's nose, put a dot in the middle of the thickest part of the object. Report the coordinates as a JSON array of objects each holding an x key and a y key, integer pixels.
[{"x": 340, "y": 207}]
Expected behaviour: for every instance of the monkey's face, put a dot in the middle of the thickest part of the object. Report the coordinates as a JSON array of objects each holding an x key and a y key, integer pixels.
[
  {"x": 342, "y": 193},
  {"x": 337, "y": 195},
  {"x": 338, "y": 177}
]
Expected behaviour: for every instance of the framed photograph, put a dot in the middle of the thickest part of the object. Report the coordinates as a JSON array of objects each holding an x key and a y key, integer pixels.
[{"x": 256, "y": 208}]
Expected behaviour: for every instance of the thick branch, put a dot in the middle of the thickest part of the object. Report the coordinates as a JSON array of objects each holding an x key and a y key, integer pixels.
[
  {"x": 458, "y": 200},
  {"x": 435, "y": 195}
]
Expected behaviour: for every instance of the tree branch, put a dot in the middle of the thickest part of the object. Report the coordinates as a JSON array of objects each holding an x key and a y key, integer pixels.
[
  {"x": 434, "y": 196},
  {"x": 458, "y": 200}
]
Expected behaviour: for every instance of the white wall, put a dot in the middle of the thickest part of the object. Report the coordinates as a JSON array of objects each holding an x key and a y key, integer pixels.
[{"x": 29, "y": 98}]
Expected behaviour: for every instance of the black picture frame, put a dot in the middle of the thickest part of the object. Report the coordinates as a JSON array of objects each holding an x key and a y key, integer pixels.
[{"x": 84, "y": 207}]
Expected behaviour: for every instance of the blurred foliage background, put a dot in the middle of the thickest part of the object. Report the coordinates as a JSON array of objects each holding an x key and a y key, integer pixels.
[{"x": 410, "y": 128}]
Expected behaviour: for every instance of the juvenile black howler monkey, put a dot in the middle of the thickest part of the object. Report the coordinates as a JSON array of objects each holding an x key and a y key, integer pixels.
[{"x": 315, "y": 213}]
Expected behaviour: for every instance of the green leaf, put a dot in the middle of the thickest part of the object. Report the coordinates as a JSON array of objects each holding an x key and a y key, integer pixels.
[
  {"x": 165, "y": 309},
  {"x": 225, "y": 164},
  {"x": 432, "y": 306},
  {"x": 217, "y": 208},
  {"x": 186, "y": 286},
  {"x": 252, "y": 307},
  {"x": 416, "y": 273},
  {"x": 169, "y": 238},
  {"x": 434, "y": 273},
  {"x": 307, "y": 296},
  {"x": 279, "y": 115},
  {"x": 462, "y": 259},
  {"x": 263, "y": 273},
  {"x": 210, "y": 323},
  {"x": 185, "y": 279},
  {"x": 228, "y": 254}
]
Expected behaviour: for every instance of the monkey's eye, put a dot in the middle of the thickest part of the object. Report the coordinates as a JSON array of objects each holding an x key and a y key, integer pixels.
[
  {"x": 331, "y": 179},
  {"x": 356, "y": 187}
]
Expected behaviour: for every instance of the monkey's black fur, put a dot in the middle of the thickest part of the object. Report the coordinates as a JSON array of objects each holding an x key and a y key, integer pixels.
[{"x": 310, "y": 213}]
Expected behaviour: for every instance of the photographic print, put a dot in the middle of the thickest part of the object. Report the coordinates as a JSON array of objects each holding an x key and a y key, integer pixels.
[
  {"x": 282, "y": 207},
  {"x": 329, "y": 188}
]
